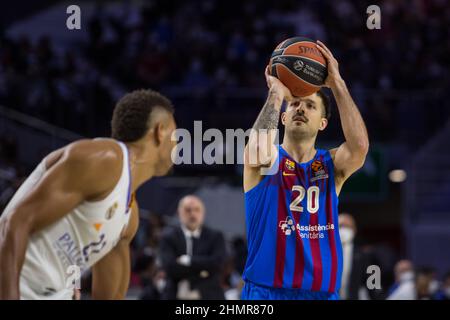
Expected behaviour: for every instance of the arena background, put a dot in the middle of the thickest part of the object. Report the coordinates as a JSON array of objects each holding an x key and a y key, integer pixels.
[{"x": 58, "y": 85}]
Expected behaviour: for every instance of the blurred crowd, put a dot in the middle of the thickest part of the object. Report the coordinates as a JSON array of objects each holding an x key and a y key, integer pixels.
[
  {"x": 12, "y": 174},
  {"x": 204, "y": 54}
]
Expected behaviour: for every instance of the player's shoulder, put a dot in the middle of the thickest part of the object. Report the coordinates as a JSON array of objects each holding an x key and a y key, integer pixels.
[
  {"x": 100, "y": 156},
  {"x": 103, "y": 151}
]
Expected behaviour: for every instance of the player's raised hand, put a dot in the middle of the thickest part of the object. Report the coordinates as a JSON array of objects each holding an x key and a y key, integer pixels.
[
  {"x": 333, "y": 66},
  {"x": 277, "y": 87}
]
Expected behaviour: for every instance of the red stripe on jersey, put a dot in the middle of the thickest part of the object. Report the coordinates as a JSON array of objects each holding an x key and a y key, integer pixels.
[
  {"x": 280, "y": 256},
  {"x": 299, "y": 262},
  {"x": 332, "y": 240},
  {"x": 315, "y": 252}
]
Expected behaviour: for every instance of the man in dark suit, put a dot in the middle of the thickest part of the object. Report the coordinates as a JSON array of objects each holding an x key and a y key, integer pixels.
[
  {"x": 192, "y": 255},
  {"x": 354, "y": 274}
]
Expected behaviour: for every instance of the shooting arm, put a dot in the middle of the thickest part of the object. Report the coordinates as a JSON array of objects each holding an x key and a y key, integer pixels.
[
  {"x": 350, "y": 155},
  {"x": 260, "y": 150}
]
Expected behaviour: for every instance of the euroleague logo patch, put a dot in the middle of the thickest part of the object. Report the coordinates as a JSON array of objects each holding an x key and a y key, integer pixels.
[
  {"x": 318, "y": 170},
  {"x": 317, "y": 166}
]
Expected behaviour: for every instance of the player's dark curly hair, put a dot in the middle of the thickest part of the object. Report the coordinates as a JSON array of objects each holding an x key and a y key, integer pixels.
[
  {"x": 326, "y": 103},
  {"x": 132, "y": 114}
]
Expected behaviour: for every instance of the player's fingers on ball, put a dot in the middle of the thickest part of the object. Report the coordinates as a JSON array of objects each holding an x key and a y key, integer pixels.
[
  {"x": 326, "y": 51},
  {"x": 288, "y": 95},
  {"x": 321, "y": 44},
  {"x": 322, "y": 50}
]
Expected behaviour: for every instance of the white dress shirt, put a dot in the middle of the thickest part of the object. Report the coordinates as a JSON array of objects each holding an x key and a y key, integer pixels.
[
  {"x": 184, "y": 291},
  {"x": 347, "y": 249}
]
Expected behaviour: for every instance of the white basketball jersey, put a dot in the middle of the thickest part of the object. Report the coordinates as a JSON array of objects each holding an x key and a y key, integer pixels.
[{"x": 80, "y": 238}]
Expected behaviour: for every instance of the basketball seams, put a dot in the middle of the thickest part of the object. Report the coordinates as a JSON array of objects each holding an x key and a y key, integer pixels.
[
  {"x": 276, "y": 53},
  {"x": 291, "y": 41},
  {"x": 303, "y": 57},
  {"x": 273, "y": 70}
]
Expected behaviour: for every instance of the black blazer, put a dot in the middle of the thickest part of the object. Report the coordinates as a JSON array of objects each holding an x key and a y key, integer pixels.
[
  {"x": 358, "y": 275},
  {"x": 208, "y": 254}
]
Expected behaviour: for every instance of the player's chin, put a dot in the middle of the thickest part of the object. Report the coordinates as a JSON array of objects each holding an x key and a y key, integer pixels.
[
  {"x": 167, "y": 170},
  {"x": 163, "y": 171},
  {"x": 299, "y": 125}
]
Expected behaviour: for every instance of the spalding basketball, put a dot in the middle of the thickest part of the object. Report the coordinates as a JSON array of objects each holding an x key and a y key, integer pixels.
[{"x": 299, "y": 65}]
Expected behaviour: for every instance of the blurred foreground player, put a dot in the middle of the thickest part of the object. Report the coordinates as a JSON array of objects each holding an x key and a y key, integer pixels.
[
  {"x": 77, "y": 208},
  {"x": 294, "y": 248}
]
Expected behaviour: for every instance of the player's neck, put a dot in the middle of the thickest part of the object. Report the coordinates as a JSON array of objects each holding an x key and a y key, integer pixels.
[
  {"x": 141, "y": 163},
  {"x": 302, "y": 151}
]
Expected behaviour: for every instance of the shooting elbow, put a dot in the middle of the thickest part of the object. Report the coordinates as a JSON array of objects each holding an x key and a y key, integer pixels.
[{"x": 363, "y": 147}]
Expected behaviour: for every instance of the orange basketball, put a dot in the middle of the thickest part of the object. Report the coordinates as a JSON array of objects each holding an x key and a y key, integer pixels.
[{"x": 299, "y": 65}]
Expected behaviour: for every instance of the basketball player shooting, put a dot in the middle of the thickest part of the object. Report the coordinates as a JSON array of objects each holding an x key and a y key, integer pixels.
[
  {"x": 294, "y": 248},
  {"x": 77, "y": 208}
]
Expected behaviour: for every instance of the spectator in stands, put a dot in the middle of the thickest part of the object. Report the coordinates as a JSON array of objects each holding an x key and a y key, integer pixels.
[
  {"x": 444, "y": 291},
  {"x": 142, "y": 45},
  {"x": 152, "y": 279},
  {"x": 422, "y": 287},
  {"x": 192, "y": 255},
  {"x": 426, "y": 283},
  {"x": 404, "y": 287},
  {"x": 404, "y": 272}
]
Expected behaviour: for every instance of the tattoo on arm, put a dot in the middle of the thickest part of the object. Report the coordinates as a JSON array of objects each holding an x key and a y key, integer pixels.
[{"x": 269, "y": 116}]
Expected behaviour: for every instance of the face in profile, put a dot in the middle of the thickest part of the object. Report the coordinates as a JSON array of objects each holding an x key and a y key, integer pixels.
[
  {"x": 304, "y": 117},
  {"x": 165, "y": 162},
  {"x": 191, "y": 212}
]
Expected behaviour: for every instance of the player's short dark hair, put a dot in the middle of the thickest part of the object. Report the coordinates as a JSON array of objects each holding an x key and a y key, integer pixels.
[
  {"x": 326, "y": 103},
  {"x": 132, "y": 114}
]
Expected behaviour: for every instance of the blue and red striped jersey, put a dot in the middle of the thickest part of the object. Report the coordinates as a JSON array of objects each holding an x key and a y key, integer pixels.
[{"x": 292, "y": 226}]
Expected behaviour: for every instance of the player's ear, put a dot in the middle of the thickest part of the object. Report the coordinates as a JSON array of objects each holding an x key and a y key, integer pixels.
[
  {"x": 323, "y": 124},
  {"x": 158, "y": 133},
  {"x": 283, "y": 118}
]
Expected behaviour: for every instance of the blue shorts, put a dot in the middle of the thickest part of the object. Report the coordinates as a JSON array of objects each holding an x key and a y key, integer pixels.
[{"x": 252, "y": 291}]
